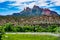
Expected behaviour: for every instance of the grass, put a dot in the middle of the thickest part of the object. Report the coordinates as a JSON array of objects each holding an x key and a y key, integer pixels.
[{"x": 28, "y": 37}]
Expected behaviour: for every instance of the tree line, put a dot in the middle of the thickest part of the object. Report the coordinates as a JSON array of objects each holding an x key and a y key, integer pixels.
[{"x": 9, "y": 27}]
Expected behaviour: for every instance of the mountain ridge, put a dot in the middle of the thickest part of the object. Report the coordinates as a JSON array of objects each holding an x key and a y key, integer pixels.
[{"x": 36, "y": 11}]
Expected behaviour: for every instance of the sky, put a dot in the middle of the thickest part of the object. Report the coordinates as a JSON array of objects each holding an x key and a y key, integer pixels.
[{"x": 8, "y": 7}]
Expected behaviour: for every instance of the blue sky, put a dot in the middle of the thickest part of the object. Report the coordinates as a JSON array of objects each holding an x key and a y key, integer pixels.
[{"x": 7, "y": 7}]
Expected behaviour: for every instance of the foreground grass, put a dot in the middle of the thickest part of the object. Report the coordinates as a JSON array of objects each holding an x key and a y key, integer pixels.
[{"x": 28, "y": 37}]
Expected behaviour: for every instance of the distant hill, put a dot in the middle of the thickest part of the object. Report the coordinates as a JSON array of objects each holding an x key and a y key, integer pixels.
[{"x": 35, "y": 15}]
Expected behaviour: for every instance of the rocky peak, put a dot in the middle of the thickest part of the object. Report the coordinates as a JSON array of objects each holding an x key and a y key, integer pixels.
[
  {"x": 36, "y": 7},
  {"x": 16, "y": 14},
  {"x": 54, "y": 13},
  {"x": 46, "y": 9},
  {"x": 27, "y": 9}
]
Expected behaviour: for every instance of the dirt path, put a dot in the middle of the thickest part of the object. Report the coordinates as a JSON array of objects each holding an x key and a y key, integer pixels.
[{"x": 41, "y": 33}]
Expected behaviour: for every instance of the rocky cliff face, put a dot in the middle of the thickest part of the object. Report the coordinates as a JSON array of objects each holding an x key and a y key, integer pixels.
[{"x": 35, "y": 11}]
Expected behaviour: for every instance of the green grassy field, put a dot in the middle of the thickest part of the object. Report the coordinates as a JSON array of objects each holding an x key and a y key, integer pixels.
[{"x": 28, "y": 37}]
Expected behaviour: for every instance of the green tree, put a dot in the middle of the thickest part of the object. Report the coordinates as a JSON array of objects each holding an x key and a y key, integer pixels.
[
  {"x": 1, "y": 32},
  {"x": 58, "y": 30},
  {"x": 8, "y": 27}
]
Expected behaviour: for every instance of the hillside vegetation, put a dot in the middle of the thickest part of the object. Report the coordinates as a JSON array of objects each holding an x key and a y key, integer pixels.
[{"x": 9, "y": 27}]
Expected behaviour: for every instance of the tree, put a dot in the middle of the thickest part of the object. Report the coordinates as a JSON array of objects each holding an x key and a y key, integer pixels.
[
  {"x": 8, "y": 27},
  {"x": 58, "y": 30},
  {"x": 1, "y": 32}
]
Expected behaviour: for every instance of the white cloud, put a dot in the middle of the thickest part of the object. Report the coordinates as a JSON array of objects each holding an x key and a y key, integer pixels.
[
  {"x": 37, "y": 2},
  {"x": 20, "y": 0},
  {"x": 2, "y": 1},
  {"x": 18, "y": 3},
  {"x": 30, "y": 5},
  {"x": 57, "y": 2},
  {"x": 42, "y": 3}
]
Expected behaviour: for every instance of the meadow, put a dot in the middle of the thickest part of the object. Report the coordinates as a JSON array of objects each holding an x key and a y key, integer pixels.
[
  {"x": 28, "y": 37},
  {"x": 28, "y": 28}
]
